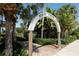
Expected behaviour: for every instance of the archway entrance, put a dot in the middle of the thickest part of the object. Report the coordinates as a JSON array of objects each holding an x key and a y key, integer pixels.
[{"x": 33, "y": 24}]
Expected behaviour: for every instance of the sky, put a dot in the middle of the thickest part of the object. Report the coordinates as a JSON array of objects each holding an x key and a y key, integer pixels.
[{"x": 53, "y": 6}]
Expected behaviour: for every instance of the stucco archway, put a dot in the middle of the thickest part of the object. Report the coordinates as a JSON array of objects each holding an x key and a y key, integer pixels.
[{"x": 33, "y": 24}]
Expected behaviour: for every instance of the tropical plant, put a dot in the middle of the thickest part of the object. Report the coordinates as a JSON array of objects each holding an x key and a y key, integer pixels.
[
  {"x": 28, "y": 14},
  {"x": 45, "y": 41},
  {"x": 49, "y": 26},
  {"x": 9, "y": 10},
  {"x": 67, "y": 18},
  {"x": 76, "y": 33},
  {"x": 69, "y": 39}
]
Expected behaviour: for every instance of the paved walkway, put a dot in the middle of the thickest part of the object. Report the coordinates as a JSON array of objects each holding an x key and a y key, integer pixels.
[
  {"x": 50, "y": 50},
  {"x": 70, "y": 50},
  {"x": 38, "y": 50},
  {"x": 47, "y": 50}
]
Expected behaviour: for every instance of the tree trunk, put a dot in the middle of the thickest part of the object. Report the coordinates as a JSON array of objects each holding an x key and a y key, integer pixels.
[
  {"x": 0, "y": 29},
  {"x": 13, "y": 33},
  {"x": 62, "y": 32},
  {"x": 8, "y": 40}
]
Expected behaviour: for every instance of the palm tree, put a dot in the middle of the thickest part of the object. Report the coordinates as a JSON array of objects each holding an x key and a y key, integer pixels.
[
  {"x": 9, "y": 10},
  {"x": 29, "y": 13}
]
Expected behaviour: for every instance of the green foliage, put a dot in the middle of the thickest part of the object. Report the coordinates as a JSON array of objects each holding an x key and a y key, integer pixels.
[
  {"x": 67, "y": 18},
  {"x": 26, "y": 35},
  {"x": 21, "y": 52},
  {"x": 45, "y": 41},
  {"x": 29, "y": 13},
  {"x": 50, "y": 41},
  {"x": 2, "y": 37},
  {"x": 69, "y": 39},
  {"x": 76, "y": 33},
  {"x": 19, "y": 30},
  {"x": 18, "y": 50},
  {"x": 2, "y": 50},
  {"x": 52, "y": 11},
  {"x": 49, "y": 28},
  {"x": 2, "y": 46}
]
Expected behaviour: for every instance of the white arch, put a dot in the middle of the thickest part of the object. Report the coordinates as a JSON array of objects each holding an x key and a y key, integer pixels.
[
  {"x": 33, "y": 24},
  {"x": 39, "y": 17}
]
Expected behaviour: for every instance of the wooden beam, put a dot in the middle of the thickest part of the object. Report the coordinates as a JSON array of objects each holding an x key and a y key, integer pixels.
[{"x": 30, "y": 43}]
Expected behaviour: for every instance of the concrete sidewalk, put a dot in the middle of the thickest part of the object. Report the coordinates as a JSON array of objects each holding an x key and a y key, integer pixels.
[
  {"x": 47, "y": 50},
  {"x": 70, "y": 50}
]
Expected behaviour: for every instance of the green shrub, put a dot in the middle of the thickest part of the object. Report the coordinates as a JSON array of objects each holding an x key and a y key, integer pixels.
[
  {"x": 1, "y": 38},
  {"x": 23, "y": 52},
  {"x": 2, "y": 48},
  {"x": 18, "y": 50},
  {"x": 69, "y": 39},
  {"x": 45, "y": 41},
  {"x": 25, "y": 34},
  {"x": 76, "y": 33}
]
